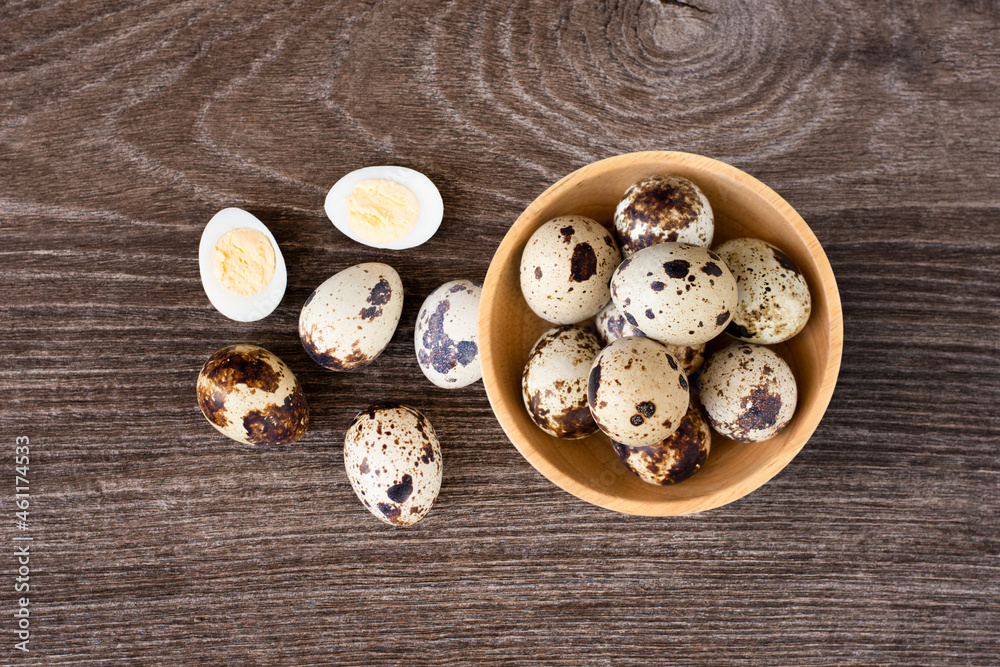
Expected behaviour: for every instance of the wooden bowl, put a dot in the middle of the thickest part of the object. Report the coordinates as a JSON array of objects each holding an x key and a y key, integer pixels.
[{"x": 589, "y": 468}]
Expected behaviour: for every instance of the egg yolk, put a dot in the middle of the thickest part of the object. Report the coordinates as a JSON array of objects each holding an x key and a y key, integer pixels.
[
  {"x": 381, "y": 211},
  {"x": 244, "y": 261}
]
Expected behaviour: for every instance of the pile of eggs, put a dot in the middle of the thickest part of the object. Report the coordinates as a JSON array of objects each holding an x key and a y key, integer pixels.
[
  {"x": 391, "y": 452},
  {"x": 637, "y": 308}
]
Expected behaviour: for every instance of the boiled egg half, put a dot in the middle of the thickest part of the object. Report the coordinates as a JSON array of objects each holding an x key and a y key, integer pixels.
[
  {"x": 386, "y": 207},
  {"x": 241, "y": 266}
]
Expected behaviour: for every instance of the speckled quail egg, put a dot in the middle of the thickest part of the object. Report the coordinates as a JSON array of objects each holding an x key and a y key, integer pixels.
[
  {"x": 349, "y": 319},
  {"x": 690, "y": 357},
  {"x": 446, "y": 335},
  {"x": 393, "y": 462},
  {"x": 674, "y": 459},
  {"x": 554, "y": 382},
  {"x": 637, "y": 392},
  {"x": 251, "y": 396},
  {"x": 663, "y": 209},
  {"x": 774, "y": 301},
  {"x": 241, "y": 266},
  {"x": 565, "y": 268},
  {"x": 748, "y": 391},
  {"x": 677, "y": 293},
  {"x": 612, "y": 325},
  {"x": 386, "y": 207}
]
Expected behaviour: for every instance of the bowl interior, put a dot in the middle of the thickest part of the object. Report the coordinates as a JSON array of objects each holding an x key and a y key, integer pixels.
[{"x": 589, "y": 468}]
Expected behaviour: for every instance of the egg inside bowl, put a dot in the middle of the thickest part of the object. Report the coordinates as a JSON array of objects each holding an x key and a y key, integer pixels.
[{"x": 589, "y": 468}]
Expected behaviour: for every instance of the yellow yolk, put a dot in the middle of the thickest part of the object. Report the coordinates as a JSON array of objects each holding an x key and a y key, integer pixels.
[
  {"x": 381, "y": 211},
  {"x": 244, "y": 261}
]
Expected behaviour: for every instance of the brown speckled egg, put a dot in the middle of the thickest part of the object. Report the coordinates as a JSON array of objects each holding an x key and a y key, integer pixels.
[
  {"x": 393, "y": 462},
  {"x": 672, "y": 460},
  {"x": 446, "y": 336},
  {"x": 349, "y": 319},
  {"x": 748, "y": 391},
  {"x": 637, "y": 392},
  {"x": 251, "y": 396},
  {"x": 774, "y": 301},
  {"x": 554, "y": 382},
  {"x": 690, "y": 357},
  {"x": 677, "y": 293},
  {"x": 612, "y": 325},
  {"x": 565, "y": 268},
  {"x": 662, "y": 209}
]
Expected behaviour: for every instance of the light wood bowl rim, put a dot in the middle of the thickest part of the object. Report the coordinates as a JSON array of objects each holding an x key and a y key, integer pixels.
[{"x": 809, "y": 415}]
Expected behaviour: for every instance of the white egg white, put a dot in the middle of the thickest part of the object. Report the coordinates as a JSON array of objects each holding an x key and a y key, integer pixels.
[
  {"x": 234, "y": 306},
  {"x": 428, "y": 198}
]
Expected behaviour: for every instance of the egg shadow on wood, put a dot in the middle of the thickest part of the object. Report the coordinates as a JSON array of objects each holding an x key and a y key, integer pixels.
[{"x": 449, "y": 412}]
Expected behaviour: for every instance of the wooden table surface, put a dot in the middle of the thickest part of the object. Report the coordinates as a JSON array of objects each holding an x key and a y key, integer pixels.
[{"x": 124, "y": 126}]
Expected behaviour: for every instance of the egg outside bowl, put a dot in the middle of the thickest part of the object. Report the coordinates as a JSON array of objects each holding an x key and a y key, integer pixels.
[{"x": 589, "y": 468}]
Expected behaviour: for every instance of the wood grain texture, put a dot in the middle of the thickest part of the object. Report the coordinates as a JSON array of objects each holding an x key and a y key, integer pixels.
[{"x": 125, "y": 125}]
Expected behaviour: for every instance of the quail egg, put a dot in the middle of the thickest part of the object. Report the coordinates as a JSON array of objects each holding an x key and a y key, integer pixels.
[
  {"x": 674, "y": 459},
  {"x": 774, "y": 301},
  {"x": 663, "y": 209},
  {"x": 565, "y": 268},
  {"x": 393, "y": 462},
  {"x": 748, "y": 391},
  {"x": 637, "y": 392},
  {"x": 690, "y": 357},
  {"x": 251, "y": 396},
  {"x": 241, "y": 266},
  {"x": 676, "y": 293},
  {"x": 447, "y": 334},
  {"x": 554, "y": 382},
  {"x": 612, "y": 325},
  {"x": 386, "y": 207},
  {"x": 349, "y": 319}
]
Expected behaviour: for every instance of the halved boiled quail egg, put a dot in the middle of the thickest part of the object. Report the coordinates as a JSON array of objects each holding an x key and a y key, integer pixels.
[
  {"x": 385, "y": 207},
  {"x": 241, "y": 266}
]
